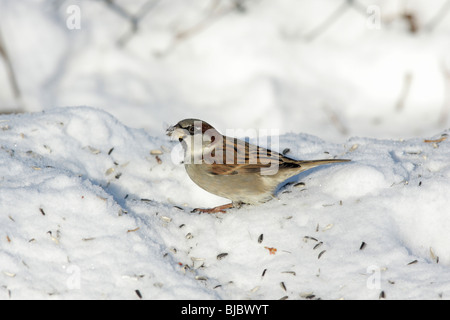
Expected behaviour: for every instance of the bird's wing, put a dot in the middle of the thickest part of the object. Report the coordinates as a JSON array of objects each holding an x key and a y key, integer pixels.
[{"x": 242, "y": 157}]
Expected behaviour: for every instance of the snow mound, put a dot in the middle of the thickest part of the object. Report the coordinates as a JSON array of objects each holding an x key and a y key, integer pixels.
[{"x": 88, "y": 211}]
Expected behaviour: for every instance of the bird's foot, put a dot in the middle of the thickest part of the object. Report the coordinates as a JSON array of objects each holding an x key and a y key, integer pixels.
[{"x": 215, "y": 209}]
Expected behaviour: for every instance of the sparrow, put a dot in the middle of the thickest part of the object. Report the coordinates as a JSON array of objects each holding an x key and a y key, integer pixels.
[{"x": 232, "y": 168}]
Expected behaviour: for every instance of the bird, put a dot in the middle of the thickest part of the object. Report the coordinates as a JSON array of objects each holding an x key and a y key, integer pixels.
[{"x": 232, "y": 168}]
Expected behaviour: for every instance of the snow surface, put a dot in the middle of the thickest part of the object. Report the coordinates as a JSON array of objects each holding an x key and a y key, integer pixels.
[{"x": 88, "y": 213}]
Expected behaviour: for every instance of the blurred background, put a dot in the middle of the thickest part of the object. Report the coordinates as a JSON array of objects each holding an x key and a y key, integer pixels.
[{"x": 331, "y": 68}]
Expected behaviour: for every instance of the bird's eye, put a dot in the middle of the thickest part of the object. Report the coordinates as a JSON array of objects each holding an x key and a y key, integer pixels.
[{"x": 191, "y": 129}]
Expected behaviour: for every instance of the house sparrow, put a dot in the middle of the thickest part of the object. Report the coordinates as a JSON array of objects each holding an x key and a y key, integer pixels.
[{"x": 233, "y": 168}]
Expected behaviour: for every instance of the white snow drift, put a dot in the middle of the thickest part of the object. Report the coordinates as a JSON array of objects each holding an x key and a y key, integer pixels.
[{"x": 86, "y": 211}]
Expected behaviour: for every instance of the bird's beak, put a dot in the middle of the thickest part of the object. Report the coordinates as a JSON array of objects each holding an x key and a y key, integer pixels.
[{"x": 176, "y": 133}]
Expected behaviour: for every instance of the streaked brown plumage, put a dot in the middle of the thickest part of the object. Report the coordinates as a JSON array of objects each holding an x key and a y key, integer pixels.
[{"x": 232, "y": 168}]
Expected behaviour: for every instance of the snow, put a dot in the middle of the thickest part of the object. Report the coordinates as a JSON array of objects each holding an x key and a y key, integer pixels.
[{"x": 88, "y": 212}]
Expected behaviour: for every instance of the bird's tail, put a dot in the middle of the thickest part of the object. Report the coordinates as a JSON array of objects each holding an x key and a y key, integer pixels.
[{"x": 306, "y": 164}]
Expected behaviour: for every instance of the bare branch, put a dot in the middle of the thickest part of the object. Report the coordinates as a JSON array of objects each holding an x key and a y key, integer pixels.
[{"x": 9, "y": 68}]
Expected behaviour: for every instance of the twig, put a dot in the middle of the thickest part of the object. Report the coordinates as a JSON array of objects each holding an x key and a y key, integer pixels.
[
  {"x": 332, "y": 18},
  {"x": 336, "y": 121},
  {"x": 407, "y": 80},
  {"x": 215, "y": 13},
  {"x": 133, "y": 19},
  {"x": 441, "y": 13},
  {"x": 9, "y": 68},
  {"x": 446, "y": 105}
]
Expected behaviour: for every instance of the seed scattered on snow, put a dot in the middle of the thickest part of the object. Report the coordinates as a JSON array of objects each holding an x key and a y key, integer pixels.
[
  {"x": 306, "y": 238},
  {"x": 412, "y": 262},
  {"x": 307, "y": 295},
  {"x": 221, "y": 256},
  {"x": 321, "y": 253},
  {"x": 283, "y": 286},
  {"x": 9, "y": 274},
  {"x": 433, "y": 255},
  {"x": 109, "y": 171},
  {"x": 318, "y": 245},
  {"x": 284, "y": 298},
  {"x": 362, "y": 246},
  {"x": 133, "y": 230},
  {"x": 93, "y": 150},
  {"x": 189, "y": 236},
  {"x": 289, "y": 272},
  {"x": 382, "y": 295},
  {"x": 299, "y": 184},
  {"x": 285, "y": 151},
  {"x": 42, "y": 211},
  {"x": 263, "y": 273},
  {"x": 260, "y": 238},
  {"x": 327, "y": 227},
  {"x": 155, "y": 152},
  {"x": 138, "y": 293},
  {"x": 88, "y": 239},
  {"x": 110, "y": 151},
  {"x": 197, "y": 259},
  {"x": 202, "y": 278},
  {"x": 255, "y": 289},
  {"x": 166, "y": 219},
  {"x": 354, "y": 147}
]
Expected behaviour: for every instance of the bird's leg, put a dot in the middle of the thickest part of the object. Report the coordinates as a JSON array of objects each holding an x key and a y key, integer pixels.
[{"x": 215, "y": 209}]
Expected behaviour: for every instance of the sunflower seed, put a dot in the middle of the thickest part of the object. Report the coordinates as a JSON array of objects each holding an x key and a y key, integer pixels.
[
  {"x": 283, "y": 286},
  {"x": 109, "y": 171},
  {"x": 42, "y": 211},
  {"x": 260, "y": 238},
  {"x": 412, "y": 262},
  {"x": 290, "y": 272},
  {"x": 166, "y": 219},
  {"x": 263, "y": 273},
  {"x": 318, "y": 245},
  {"x": 93, "y": 150},
  {"x": 9, "y": 274},
  {"x": 255, "y": 289},
  {"x": 197, "y": 259},
  {"x": 202, "y": 278},
  {"x": 363, "y": 245},
  {"x": 221, "y": 256},
  {"x": 434, "y": 256},
  {"x": 321, "y": 253},
  {"x": 155, "y": 152},
  {"x": 306, "y": 238},
  {"x": 307, "y": 295},
  {"x": 138, "y": 293},
  {"x": 88, "y": 239}
]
